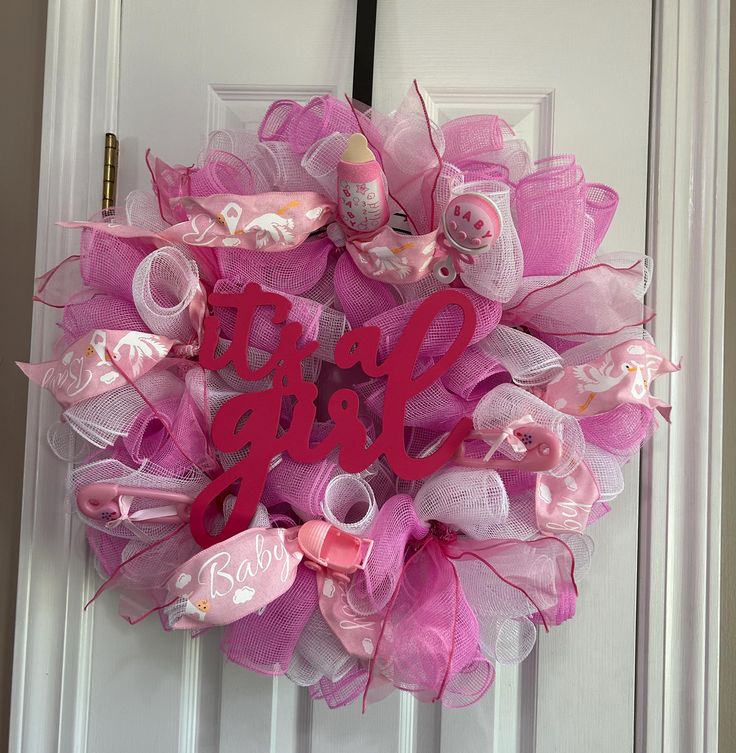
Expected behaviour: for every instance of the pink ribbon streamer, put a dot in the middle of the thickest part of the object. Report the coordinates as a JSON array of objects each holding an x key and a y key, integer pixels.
[
  {"x": 598, "y": 300},
  {"x": 433, "y": 654}
]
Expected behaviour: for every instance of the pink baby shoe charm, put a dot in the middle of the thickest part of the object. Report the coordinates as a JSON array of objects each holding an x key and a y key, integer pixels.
[{"x": 326, "y": 547}]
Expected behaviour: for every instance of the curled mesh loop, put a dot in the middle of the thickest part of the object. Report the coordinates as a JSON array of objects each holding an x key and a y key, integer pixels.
[
  {"x": 471, "y": 501},
  {"x": 164, "y": 285},
  {"x": 496, "y": 273},
  {"x": 350, "y": 504},
  {"x": 529, "y": 361},
  {"x": 509, "y": 640}
]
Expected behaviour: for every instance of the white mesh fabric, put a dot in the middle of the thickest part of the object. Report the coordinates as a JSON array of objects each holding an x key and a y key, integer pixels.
[
  {"x": 260, "y": 517},
  {"x": 582, "y": 547},
  {"x": 332, "y": 326},
  {"x": 606, "y": 470},
  {"x": 496, "y": 273},
  {"x": 142, "y": 210},
  {"x": 102, "y": 419},
  {"x": 153, "y": 566},
  {"x": 515, "y": 157},
  {"x": 350, "y": 504},
  {"x": 521, "y": 522},
  {"x": 382, "y": 481},
  {"x": 420, "y": 444},
  {"x": 507, "y": 403},
  {"x": 65, "y": 443},
  {"x": 241, "y": 143},
  {"x": 470, "y": 500},
  {"x": 289, "y": 174},
  {"x": 507, "y": 641},
  {"x": 529, "y": 361},
  {"x": 324, "y": 291},
  {"x": 448, "y": 184},
  {"x": 321, "y": 649},
  {"x": 301, "y": 672},
  {"x": 321, "y": 159},
  {"x": 590, "y": 350},
  {"x": 421, "y": 289},
  {"x": 164, "y": 285}
]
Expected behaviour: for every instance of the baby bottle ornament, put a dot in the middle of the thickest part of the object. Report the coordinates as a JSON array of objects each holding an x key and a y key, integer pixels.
[{"x": 355, "y": 390}]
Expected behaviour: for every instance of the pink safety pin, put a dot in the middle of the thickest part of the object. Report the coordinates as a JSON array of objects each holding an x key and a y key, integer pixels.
[
  {"x": 109, "y": 503},
  {"x": 326, "y": 547},
  {"x": 542, "y": 449}
]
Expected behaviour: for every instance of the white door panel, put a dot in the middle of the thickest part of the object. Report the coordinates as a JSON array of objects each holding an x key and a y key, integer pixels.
[
  {"x": 187, "y": 65},
  {"x": 569, "y": 76}
]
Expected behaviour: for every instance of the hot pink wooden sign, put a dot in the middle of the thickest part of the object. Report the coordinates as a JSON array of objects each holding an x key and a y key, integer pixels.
[{"x": 252, "y": 419}]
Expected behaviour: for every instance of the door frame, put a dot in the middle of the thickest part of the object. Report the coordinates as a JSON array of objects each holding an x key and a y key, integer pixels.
[
  {"x": 680, "y": 532},
  {"x": 681, "y": 488}
]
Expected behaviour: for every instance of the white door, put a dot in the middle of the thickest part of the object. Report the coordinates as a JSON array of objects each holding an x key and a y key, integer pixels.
[{"x": 569, "y": 76}]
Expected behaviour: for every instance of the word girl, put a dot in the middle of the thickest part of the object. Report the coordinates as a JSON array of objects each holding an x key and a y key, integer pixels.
[{"x": 252, "y": 420}]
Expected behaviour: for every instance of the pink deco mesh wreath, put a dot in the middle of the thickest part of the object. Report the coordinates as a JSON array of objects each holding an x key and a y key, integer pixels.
[{"x": 342, "y": 228}]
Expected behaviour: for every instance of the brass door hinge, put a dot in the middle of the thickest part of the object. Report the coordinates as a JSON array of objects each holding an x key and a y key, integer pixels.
[{"x": 110, "y": 171}]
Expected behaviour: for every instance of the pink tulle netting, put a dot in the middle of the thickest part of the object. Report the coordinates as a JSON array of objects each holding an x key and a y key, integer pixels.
[{"x": 462, "y": 571}]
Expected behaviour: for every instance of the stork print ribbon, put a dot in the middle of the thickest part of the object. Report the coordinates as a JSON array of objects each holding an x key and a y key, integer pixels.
[
  {"x": 93, "y": 364},
  {"x": 623, "y": 374}
]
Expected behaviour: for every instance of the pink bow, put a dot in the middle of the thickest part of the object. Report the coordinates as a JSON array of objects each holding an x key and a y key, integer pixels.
[
  {"x": 505, "y": 435},
  {"x": 432, "y": 650},
  {"x": 152, "y": 514}
]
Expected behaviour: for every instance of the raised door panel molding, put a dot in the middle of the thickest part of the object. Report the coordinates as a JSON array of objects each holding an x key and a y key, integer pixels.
[
  {"x": 232, "y": 106},
  {"x": 530, "y": 112}
]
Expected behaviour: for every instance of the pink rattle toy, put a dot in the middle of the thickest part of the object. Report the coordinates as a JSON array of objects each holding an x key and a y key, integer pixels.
[
  {"x": 110, "y": 502},
  {"x": 471, "y": 224}
]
